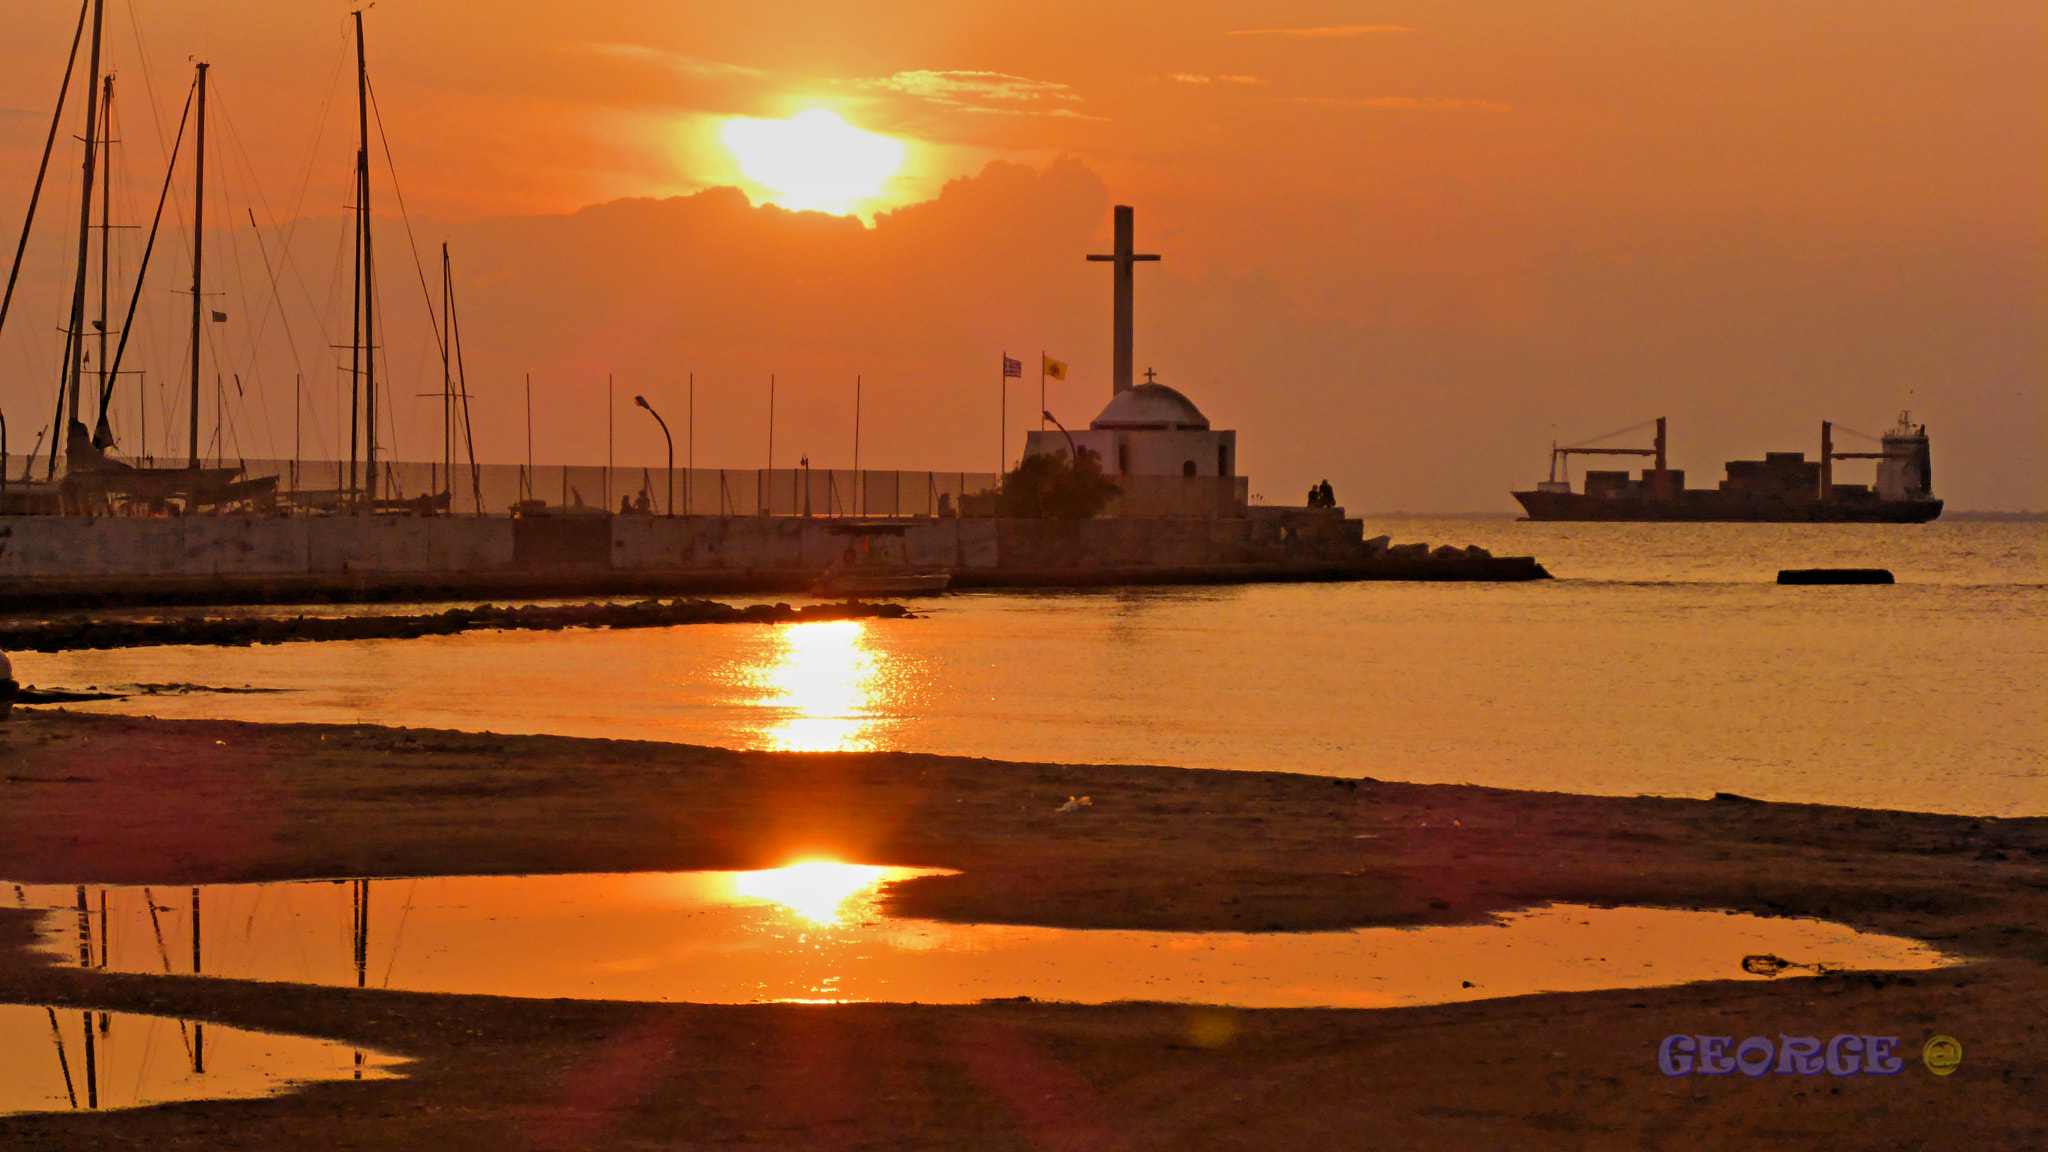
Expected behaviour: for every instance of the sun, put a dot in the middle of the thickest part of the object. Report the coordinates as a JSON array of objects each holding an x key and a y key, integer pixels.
[{"x": 813, "y": 160}]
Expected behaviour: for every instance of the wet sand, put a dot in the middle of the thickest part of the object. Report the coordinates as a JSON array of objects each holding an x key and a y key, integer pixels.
[{"x": 121, "y": 800}]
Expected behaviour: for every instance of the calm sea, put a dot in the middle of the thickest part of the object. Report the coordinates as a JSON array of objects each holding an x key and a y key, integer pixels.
[{"x": 1663, "y": 660}]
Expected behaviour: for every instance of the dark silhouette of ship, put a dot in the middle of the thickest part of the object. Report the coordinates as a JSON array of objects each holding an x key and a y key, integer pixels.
[{"x": 1783, "y": 487}]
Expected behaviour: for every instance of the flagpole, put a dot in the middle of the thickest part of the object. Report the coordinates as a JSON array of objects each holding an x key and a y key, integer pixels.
[
  {"x": 1041, "y": 389},
  {"x": 1003, "y": 420}
]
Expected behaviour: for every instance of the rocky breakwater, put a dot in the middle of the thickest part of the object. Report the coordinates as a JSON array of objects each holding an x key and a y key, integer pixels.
[
  {"x": 1325, "y": 544},
  {"x": 74, "y": 635},
  {"x": 1386, "y": 560}
]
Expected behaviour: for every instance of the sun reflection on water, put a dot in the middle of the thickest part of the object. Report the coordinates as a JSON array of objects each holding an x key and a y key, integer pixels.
[
  {"x": 817, "y": 890},
  {"x": 823, "y": 680}
]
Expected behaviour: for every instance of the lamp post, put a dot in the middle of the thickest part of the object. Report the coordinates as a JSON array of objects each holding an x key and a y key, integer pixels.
[
  {"x": 671, "y": 505},
  {"x": 1073, "y": 453}
]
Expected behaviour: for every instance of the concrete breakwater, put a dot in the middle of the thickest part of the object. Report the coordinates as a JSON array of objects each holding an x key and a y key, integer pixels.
[
  {"x": 76, "y": 635},
  {"x": 83, "y": 561}
]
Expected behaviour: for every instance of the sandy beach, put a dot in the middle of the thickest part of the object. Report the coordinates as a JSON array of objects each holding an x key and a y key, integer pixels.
[{"x": 122, "y": 800}]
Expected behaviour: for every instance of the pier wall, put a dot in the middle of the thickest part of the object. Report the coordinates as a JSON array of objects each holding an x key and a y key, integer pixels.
[
  {"x": 55, "y": 547},
  {"x": 59, "y": 547},
  {"x": 57, "y": 560},
  {"x": 722, "y": 543}
]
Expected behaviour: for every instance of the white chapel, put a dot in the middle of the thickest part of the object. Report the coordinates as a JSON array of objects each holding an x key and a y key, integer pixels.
[{"x": 1147, "y": 429}]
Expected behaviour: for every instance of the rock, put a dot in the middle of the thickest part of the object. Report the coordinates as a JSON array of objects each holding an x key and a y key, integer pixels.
[
  {"x": 1377, "y": 547},
  {"x": 91, "y": 634},
  {"x": 1475, "y": 552}
]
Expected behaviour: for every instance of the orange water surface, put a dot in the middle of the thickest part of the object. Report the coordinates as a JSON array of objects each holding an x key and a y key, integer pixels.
[
  {"x": 68, "y": 1059},
  {"x": 1664, "y": 660},
  {"x": 818, "y": 932}
]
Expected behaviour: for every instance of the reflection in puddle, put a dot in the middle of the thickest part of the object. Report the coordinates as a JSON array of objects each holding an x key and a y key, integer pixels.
[
  {"x": 817, "y": 890},
  {"x": 61, "y": 1059},
  {"x": 812, "y": 932}
]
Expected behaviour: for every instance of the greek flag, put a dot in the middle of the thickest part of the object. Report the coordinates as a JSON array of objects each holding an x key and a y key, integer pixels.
[{"x": 1012, "y": 368}]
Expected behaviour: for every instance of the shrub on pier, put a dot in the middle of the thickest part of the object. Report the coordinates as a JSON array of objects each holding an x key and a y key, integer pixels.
[{"x": 1045, "y": 487}]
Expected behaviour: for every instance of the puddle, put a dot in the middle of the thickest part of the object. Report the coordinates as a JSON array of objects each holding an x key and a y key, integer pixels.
[
  {"x": 814, "y": 933},
  {"x": 69, "y": 1059}
]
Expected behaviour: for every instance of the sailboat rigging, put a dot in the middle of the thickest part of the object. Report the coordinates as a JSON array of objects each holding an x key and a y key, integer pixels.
[
  {"x": 94, "y": 479},
  {"x": 95, "y": 483}
]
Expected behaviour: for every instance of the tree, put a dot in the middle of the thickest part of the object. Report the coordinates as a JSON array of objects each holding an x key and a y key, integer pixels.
[{"x": 1055, "y": 487}]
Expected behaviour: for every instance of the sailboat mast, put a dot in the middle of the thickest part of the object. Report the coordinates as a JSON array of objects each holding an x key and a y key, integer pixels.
[
  {"x": 67, "y": 413},
  {"x": 355, "y": 344},
  {"x": 198, "y": 261},
  {"x": 447, "y": 382},
  {"x": 35, "y": 196},
  {"x": 106, "y": 232},
  {"x": 367, "y": 270},
  {"x": 454, "y": 335}
]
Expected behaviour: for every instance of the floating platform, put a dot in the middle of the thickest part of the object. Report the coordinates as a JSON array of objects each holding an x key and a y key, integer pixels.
[{"x": 1836, "y": 576}]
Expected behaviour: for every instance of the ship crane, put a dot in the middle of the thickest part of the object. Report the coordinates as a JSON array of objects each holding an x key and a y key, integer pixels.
[
  {"x": 1660, "y": 475},
  {"x": 1828, "y": 455}
]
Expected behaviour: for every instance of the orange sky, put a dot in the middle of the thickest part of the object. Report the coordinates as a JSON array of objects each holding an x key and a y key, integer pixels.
[{"x": 1407, "y": 244}]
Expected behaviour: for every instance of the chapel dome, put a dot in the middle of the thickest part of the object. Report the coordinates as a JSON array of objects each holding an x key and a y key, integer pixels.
[{"x": 1150, "y": 406}]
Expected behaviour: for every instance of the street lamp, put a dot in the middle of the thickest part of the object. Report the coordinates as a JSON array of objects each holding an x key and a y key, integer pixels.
[
  {"x": 642, "y": 402},
  {"x": 1073, "y": 453}
]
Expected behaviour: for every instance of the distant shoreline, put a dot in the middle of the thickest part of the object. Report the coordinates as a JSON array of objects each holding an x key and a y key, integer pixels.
[
  {"x": 1440, "y": 515},
  {"x": 2020, "y": 517}
]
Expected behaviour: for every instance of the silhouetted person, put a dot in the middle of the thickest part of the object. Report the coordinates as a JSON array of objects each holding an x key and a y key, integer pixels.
[
  {"x": 1328, "y": 494},
  {"x": 1315, "y": 496},
  {"x": 643, "y": 503},
  {"x": 625, "y": 505}
]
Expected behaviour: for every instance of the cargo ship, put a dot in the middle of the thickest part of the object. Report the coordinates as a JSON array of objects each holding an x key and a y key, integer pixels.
[{"x": 1783, "y": 487}]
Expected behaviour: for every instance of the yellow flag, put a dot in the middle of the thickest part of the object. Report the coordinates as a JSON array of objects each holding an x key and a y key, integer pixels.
[{"x": 1054, "y": 370}]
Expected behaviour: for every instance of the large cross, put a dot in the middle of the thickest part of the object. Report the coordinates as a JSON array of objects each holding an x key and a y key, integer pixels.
[{"x": 1124, "y": 257}]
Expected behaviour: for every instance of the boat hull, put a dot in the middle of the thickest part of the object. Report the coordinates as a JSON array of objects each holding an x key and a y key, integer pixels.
[
  {"x": 1724, "y": 507},
  {"x": 905, "y": 584}
]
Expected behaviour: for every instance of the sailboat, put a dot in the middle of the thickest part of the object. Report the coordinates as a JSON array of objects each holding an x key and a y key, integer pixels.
[
  {"x": 361, "y": 494},
  {"x": 93, "y": 482}
]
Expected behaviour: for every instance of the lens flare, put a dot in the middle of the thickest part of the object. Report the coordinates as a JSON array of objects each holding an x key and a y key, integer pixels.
[
  {"x": 816, "y": 890},
  {"x": 813, "y": 160}
]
